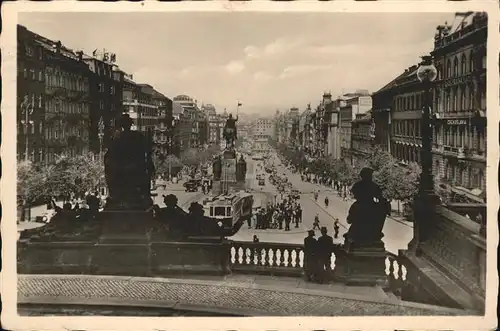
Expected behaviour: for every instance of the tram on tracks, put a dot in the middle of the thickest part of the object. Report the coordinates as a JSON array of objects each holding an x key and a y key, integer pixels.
[{"x": 232, "y": 210}]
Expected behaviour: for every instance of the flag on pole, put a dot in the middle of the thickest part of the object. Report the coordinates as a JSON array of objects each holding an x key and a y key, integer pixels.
[{"x": 240, "y": 104}]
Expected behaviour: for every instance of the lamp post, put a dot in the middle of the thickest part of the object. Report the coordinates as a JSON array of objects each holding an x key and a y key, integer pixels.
[
  {"x": 100, "y": 135},
  {"x": 426, "y": 200},
  {"x": 27, "y": 110}
]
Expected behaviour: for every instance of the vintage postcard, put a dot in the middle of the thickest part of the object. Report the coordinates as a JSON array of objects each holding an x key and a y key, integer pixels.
[{"x": 296, "y": 165}]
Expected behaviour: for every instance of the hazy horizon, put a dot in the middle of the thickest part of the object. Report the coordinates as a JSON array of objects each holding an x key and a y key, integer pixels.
[{"x": 265, "y": 60}]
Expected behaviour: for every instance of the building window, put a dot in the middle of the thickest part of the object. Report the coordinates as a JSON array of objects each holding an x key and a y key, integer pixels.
[
  {"x": 455, "y": 67},
  {"x": 471, "y": 62},
  {"x": 483, "y": 62},
  {"x": 25, "y": 73},
  {"x": 33, "y": 74},
  {"x": 29, "y": 50},
  {"x": 465, "y": 93},
  {"x": 455, "y": 100},
  {"x": 112, "y": 90},
  {"x": 464, "y": 64},
  {"x": 448, "y": 69}
]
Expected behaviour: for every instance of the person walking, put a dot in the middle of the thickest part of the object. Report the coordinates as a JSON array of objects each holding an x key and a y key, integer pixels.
[
  {"x": 316, "y": 222},
  {"x": 336, "y": 228}
]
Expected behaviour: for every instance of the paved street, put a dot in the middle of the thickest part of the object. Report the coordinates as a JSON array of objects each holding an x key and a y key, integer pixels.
[
  {"x": 243, "y": 295},
  {"x": 397, "y": 233}
]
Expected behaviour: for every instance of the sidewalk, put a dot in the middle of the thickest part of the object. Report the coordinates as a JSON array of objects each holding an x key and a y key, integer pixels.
[{"x": 244, "y": 295}]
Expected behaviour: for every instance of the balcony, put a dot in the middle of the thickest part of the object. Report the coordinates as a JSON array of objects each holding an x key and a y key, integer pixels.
[{"x": 457, "y": 152}]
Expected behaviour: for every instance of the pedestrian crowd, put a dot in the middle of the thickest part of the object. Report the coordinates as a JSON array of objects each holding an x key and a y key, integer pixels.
[{"x": 279, "y": 215}]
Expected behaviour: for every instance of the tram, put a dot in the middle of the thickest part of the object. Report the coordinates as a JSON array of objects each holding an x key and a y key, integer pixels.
[{"x": 232, "y": 210}]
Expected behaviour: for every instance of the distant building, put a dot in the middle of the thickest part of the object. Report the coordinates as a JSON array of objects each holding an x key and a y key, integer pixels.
[
  {"x": 263, "y": 128},
  {"x": 354, "y": 104},
  {"x": 362, "y": 137}
]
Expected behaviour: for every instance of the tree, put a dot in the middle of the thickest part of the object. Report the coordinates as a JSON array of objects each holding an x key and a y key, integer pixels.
[
  {"x": 33, "y": 182},
  {"x": 67, "y": 176}
]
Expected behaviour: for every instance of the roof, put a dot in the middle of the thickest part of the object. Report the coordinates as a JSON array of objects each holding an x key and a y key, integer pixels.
[
  {"x": 365, "y": 118},
  {"x": 401, "y": 79}
]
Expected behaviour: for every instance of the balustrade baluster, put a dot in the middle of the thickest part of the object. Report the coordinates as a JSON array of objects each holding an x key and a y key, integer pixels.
[
  {"x": 244, "y": 256},
  {"x": 233, "y": 252},
  {"x": 281, "y": 261},
  {"x": 251, "y": 256},
  {"x": 237, "y": 255},
  {"x": 400, "y": 269},
  {"x": 289, "y": 259},
  {"x": 259, "y": 256},
  {"x": 267, "y": 262}
]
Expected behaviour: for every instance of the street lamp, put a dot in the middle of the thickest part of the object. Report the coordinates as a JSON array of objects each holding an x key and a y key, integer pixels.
[
  {"x": 100, "y": 135},
  {"x": 27, "y": 110},
  {"x": 426, "y": 200}
]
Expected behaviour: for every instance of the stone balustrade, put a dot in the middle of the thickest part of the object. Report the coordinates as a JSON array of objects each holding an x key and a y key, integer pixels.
[{"x": 288, "y": 260}]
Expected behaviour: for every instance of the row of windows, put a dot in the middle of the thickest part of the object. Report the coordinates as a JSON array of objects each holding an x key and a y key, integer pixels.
[
  {"x": 63, "y": 106},
  {"x": 459, "y": 136},
  {"x": 459, "y": 98},
  {"x": 59, "y": 133},
  {"x": 406, "y": 128},
  {"x": 101, "y": 87},
  {"x": 406, "y": 153},
  {"x": 409, "y": 102},
  {"x": 455, "y": 68},
  {"x": 468, "y": 178}
]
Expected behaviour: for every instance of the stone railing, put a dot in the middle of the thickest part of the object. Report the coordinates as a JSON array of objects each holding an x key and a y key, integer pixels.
[
  {"x": 396, "y": 274},
  {"x": 288, "y": 260},
  {"x": 267, "y": 258}
]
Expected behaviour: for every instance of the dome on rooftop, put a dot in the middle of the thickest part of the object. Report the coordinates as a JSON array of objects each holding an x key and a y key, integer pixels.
[{"x": 183, "y": 97}]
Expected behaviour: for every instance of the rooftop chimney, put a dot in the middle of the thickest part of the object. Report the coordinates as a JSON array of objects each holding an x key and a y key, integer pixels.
[{"x": 58, "y": 46}]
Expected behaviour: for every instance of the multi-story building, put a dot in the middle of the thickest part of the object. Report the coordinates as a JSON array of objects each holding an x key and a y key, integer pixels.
[
  {"x": 362, "y": 137},
  {"x": 263, "y": 128},
  {"x": 354, "y": 104},
  {"x": 164, "y": 131},
  {"x": 397, "y": 113},
  {"x": 106, "y": 95},
  {"x": 140, "y": 101},
  {"x": 191, "y": 110},
  {"x": 30, "y": 96},
  {"x": 67, "y": 107},
  {"x": 305, "y": 129},
  {"x": 213, "y": 124},
  {"x": 460, "y": 105}
]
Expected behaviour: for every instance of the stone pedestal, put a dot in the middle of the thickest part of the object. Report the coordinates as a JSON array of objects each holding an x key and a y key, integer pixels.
[
  {"x": 361, "y": 265},
  {"x": 123, "y": 227}
]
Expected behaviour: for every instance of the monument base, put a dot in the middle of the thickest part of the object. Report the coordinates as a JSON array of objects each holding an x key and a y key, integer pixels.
[
  {"x": 124, "y": 246},
  {"x": 361, "y": 265}
]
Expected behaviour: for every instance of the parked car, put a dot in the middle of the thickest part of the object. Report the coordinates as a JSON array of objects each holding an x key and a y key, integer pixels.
[{"x": 191, "y": 186}]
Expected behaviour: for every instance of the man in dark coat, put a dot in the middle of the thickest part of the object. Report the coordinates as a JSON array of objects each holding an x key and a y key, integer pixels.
[
  {"x": 325, "y": 248},
  {"x": 310, "y": 249}
]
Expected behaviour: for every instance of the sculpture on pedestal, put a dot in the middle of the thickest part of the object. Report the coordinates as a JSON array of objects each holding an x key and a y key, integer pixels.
[
  {"x": 217, "y": 167},
  {"x": 367, "y": 214},
  {"x": 230, "y": 131},
  {"x": 129, "y": 169},
  {"x": 241, "y": 169}
]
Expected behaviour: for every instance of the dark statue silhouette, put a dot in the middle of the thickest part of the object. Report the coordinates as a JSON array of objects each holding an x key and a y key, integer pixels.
[
  {"x": 367, "y": 214},
  {"x": 241, "y": 169},
  {"x": 230, "y": 131},
  {"x": 129, "y": 169},
  {"x": 217, "y": 167}
]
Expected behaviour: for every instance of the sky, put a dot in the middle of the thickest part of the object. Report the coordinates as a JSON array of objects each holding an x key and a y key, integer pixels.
[{"x": 267, "y": 61}]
